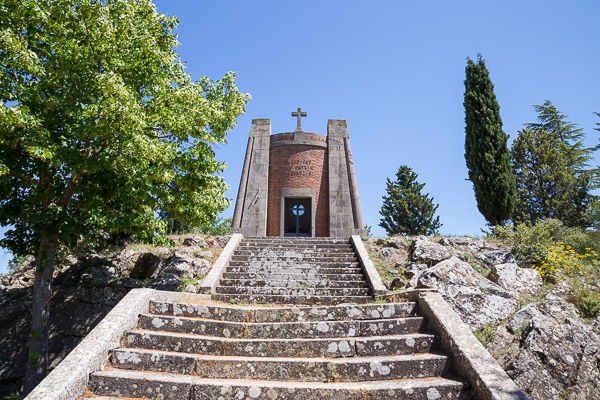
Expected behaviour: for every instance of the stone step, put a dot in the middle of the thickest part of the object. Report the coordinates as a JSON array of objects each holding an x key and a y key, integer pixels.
[
  {"x": 307, "y": 240},
  {"x": 285, "y": 264},
  {"x": 332, "y": 246},
  {"x": 294, "y": 276},
  {"x": 287, "y": 252},
  {"x": 296, "y": 245},
  {"x": 325, "y": 347},
  {"x": 285, "y": 314},
  {"x": 282, "y": 330},
  {"x": 299, "y": 300},
  {"x": 293, "y": 283},
  {"x": 267, "y": 271},
  {"x": 287, "y": 291},
  {"x": 316, "y": 369},
  {"x": 135, "y": 384},
  {"x": 321, "y": 258}
]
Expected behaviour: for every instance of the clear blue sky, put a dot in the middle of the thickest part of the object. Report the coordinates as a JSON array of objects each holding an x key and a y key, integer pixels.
[{"x": 395, "y": 70}]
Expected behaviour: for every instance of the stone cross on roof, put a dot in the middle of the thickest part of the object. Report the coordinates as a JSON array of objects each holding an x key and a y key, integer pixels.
[{"x": 299, "y": 114}]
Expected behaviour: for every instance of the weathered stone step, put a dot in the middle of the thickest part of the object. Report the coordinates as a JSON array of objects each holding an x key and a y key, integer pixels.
[
  {"x": 304, "y": 300},
  {"x": 135, "y": 384},
  {"x": 324, "y": 347},
  {"x": 285, "y": 314},
  {"x": 287, "y": 291},
  {"x": 317, "y": 258},
  {"x": 294, "y": 276},
  {"x": 266, "y": 271},
  {"x": 280, "y": 368},
  {"x": 282, "y": 330},
  {"x": 308, "y": 240},
  {"x": 293, "y": 283},
  {"x": 331, "y": 246},
  {"x": 285, "y": 264},
  {"x": 285, "y": 253}
]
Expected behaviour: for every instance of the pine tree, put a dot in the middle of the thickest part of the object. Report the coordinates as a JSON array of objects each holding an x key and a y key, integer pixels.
[
  {"x": 486, "y": 151},
  {"x": 405, "y": 210},
  {"x": 552, "y": 171}
]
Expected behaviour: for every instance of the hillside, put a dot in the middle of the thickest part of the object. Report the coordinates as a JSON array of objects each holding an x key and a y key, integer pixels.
[{"x": 544, "y": 334}]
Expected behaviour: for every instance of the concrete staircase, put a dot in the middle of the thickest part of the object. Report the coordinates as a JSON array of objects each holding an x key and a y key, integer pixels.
[
  {"x": 294, "y": 271},
  {"x": 227, "y": 352}
]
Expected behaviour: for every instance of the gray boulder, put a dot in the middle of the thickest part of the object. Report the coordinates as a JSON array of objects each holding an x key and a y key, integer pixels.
[
  {"x": 562, "y": 289},
  {"x": 464, "y": 244},
  {"x": 397, "y": 243},
  {"x": 179, "y": 266},
  {"x": 427, "y": 251},
  {"x": 68, "y": 261},
  {"x": 559, "y": 356},
  {"x": 147, "y": 266},
  {"x": 521, "y": 282},
  {"x": 476, "y": 299},
  {"x": 196, "y": 241},
  {"x": 390, "y": 254},
  {"x": 558, "y": 309},
  {"x": 99, "y": 275},
  {"x": 397, "y": 283},
  {"x": 193, "y": 252},
  {"x": 167, "y": 282},
  {"x": 413, "y": 271},
  {"x": 200, "y": 266},
  {"x": 125, "y": 260},
  {"x": 221, "y": 241},
  {"x": 491, "y": 258}
]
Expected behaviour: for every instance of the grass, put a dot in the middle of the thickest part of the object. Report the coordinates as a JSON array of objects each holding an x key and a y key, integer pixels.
[
  {"x": 586, "y": 301},
  {"x": 189, "y": 281},
  {"x": 486, "y": 334},
  {"x": 332, "y": 373},
  {"x": 384, "y": 269},
  {"x": 12, "y": 396}
]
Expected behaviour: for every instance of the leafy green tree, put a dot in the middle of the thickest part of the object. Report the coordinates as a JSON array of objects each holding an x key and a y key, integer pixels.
[
  {"x": 552, "y": 170},
  {"x": 405, "y": 210},
  {"x": 486, "y": 151},
  {"x": 98, "y": 122}
]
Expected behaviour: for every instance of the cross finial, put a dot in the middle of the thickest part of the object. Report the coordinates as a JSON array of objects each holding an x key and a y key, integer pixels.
[{"x": 299, "y": 114}]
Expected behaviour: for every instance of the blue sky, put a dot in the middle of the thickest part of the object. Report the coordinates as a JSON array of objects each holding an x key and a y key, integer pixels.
[{"x": 394, "y": 70}]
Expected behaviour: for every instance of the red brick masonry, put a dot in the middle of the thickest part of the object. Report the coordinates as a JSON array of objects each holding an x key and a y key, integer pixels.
[{"x": 298, "y": 166}]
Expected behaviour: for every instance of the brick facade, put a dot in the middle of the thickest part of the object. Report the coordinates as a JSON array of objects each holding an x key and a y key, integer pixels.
[{"x": 298, "y": 166}]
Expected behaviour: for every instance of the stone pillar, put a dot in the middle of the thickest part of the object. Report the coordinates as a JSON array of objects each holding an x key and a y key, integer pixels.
[
  {"x": 250, "y": 215},
  {"x": 345, "y": 215}
]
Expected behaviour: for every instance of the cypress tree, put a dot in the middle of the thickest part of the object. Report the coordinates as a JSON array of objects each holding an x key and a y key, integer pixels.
[
  {"x": 486, "y": 151},
  {"x": 405, "y": 210}
]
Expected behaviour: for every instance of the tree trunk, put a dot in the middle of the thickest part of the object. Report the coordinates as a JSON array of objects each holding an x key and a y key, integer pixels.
[{"x": 37, "y": 362}]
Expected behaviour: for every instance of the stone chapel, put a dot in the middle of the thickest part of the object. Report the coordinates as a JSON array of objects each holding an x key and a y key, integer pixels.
[{"x": 298, "y": 184}]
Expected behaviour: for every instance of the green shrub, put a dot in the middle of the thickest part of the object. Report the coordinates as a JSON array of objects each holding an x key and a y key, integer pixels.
[
  {"x": 486, "y": 334},
  {"x": 587, "y": 302},
  {"x": 528, "y": 242},
  {"x": 531, "y": 242},
  {"x": 562, "y": 260}
]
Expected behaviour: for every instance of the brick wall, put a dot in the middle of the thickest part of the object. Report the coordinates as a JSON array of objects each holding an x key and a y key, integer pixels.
[{"x": 298, "y": 166}]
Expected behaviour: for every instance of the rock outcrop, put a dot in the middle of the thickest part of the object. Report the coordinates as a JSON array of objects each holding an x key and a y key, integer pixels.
[
  {"x": 426, "y": 251},
  {"x": 84, "y": 292},
  {"x": 521, "y": 282},
  {"x": 545, "y": 346},
  {"x": 476, "y": 299},
  {"x": 560, "y": 354}
]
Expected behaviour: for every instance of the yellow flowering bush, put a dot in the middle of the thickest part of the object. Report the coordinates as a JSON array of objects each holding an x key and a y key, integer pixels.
[{"x": 562, "y": 259}]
